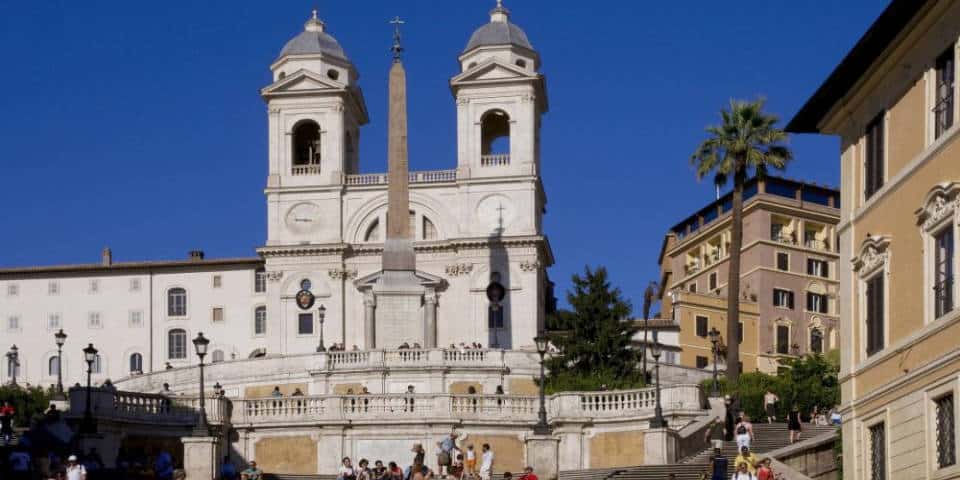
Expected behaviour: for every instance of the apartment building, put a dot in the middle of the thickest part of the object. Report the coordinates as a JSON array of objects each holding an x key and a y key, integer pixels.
[
  {"x": 891, "y": 101},
  {"x": 788, "y": 274}
]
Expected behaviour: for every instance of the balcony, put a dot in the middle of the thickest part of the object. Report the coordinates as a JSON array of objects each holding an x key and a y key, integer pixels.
[
  {"x": 816, "y": 244},
  {"x": 495, "y": 160},
  {"x": 305, "y": 170},
  {"x": 426, "y": 176}
]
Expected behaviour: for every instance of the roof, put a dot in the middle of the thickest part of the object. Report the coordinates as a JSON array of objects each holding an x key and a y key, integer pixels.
[
  {"x": 313, "y": 40},
  {"x": 131, "y": 266},
  {"x": 868, "y": 49},
  {"x": 498, "y": 33}
]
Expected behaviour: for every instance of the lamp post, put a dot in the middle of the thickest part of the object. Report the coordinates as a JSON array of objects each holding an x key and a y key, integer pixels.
[
  {"x": 13, "y": 363},
  {"x": 715, "y": 340},
  {"x": 321, "y": 312},
  {"x": 200, "y": 344},
  {"x": 61, "y": 338},
  {"x": 658, "y": 420},
  {"x": 542, "y": 428},
  {"x": 88, "y": 426}
]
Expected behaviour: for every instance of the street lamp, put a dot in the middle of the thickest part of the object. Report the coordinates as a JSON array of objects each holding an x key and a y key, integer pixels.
[
  {"x": 542, "y": 428},
  {"x": 321, "y": 312},
  {"x": 715, "y": 340},
  {"x": 88, "y": 426},
  {"x": 61, "y": 338},
  {"x": 200, "y": 344},
  {"x": 13, "y": 363},
  {"x": 658, "y": 420}
]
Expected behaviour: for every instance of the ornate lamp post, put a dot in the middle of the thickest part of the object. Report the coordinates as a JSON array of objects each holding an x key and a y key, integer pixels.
[
  {"x": 200, "y": 344},
  {"x": 658, "y": 420},
  {"x": 715, "y": 340},
  {"x": 321, "y": 312},
  {"x": 88, "y": 426},
  {"x": 13, "y": 363},
  {"x": 61, "y": 338},
  {"x": 542, "y": 428}
]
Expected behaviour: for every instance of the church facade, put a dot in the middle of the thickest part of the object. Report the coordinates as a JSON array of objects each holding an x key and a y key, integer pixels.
[{"x": 476, "y": 225}]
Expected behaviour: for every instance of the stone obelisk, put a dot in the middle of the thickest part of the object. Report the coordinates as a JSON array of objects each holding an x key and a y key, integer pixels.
[{"x": 399, "y": 293}]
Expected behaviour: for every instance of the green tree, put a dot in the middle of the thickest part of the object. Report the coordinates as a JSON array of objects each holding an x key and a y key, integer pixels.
[
  {"x": 745, "y": 141},
  {"x": 595, "y": 345},
  {"x": 27, "y": 402}
]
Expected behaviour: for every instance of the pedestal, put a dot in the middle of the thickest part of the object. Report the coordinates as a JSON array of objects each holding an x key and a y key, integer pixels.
[
  {"x": 543, "y": 454},
  {"x": 659, "y": 447},
  {"x": 200, "y": 457}
]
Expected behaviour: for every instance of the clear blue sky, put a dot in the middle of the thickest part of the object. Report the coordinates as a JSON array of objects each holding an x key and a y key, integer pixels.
[{"x": 137, "y": 125}]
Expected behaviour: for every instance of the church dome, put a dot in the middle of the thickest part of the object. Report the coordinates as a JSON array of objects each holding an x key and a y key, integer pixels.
[
  {"x": 313, "y": 40},
  {"x": 500, "y": 31}
]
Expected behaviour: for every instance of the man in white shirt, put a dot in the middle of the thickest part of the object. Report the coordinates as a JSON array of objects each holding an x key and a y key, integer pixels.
[
  {"x": 75, "y": 471},
  {"x": 486, "y": 462}
]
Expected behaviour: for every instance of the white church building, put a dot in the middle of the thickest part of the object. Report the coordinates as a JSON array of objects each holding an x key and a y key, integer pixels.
[{"x": 475, "y": 224}]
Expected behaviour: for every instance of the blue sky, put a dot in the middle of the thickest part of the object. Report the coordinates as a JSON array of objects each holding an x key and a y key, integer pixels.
[{"x": 138, "y": 125}]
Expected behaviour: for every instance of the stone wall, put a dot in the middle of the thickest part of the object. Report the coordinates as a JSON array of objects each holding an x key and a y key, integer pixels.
[
  {"x": 263, "y": 391},
  {"x": 292, "y": 455},
  {"x": 616, "y": 449}
]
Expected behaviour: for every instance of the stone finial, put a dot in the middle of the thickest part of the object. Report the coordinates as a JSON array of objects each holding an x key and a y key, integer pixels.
[
  {"x": 106, "y": 257},
  {"x": 500, "y": 14},
  {"x": 314, "y": 24}
]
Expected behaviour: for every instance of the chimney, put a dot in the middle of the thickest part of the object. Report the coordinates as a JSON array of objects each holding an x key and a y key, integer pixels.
[
  {"x": 196, "y": 255},
  {"x": 106, "y": 257}
]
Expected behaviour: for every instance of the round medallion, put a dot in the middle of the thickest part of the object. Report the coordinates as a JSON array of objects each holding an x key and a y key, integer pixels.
[
  {"x": 305, "y": 299},
  {"x": 303, "y": 218}
]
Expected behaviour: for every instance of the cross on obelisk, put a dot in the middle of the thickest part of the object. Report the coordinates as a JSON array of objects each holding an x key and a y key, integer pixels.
[{"x": 397, "y": 48}]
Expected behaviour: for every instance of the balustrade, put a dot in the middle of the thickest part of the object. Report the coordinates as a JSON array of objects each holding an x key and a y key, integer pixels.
[
  {"x": 427, "y": 176},
  {"x": 495, "y": 160},
  {"x": 305, "y": 170}
]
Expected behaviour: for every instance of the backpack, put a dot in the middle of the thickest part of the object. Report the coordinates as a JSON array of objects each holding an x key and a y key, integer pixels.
[{"x": 741, "y": 430}]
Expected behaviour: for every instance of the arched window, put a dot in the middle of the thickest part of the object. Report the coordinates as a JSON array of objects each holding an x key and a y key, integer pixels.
[
  {"x": 521, "y": 63},
  {"x": 373, "y": 232},
  {"x": 333, "y": 74},
  {"x": 429, "y": 230},
  {"x": 495, "y": 137},
  {"x": 177, "y": 302},
  {"x": 97, "y": 366},
  {"x": 53, "y": 366},
  {"x": 260, "y": 321},
  {"x": 136, "y": 363},
  {"x": 306, "y": 143},
  {"x": 217, "y": 356},
  {"x": 177, "y": 344},
  {"x": 816, "y": 341}
]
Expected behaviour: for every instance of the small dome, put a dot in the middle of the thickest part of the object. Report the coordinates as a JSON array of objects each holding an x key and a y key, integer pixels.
[
  {"x": 500, "y": 31},
  {"x": 313, "y": 40}
]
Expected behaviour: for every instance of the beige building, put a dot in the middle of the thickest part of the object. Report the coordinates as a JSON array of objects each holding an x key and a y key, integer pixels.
[
  {"x": 788, "y": 274},
  {"x": 891, "y": 101}
]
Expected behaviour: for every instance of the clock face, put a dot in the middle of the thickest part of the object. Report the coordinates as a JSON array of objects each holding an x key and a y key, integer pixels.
[
  {"x": 495, "y": 213},
  {"x": 303, "y": 218}
]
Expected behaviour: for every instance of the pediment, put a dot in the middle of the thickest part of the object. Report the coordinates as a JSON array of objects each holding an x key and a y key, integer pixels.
[
  {"x": 302, "y": 81},
  {"x": 493, "y": 70},
  {"x": 426, "y": 279}
]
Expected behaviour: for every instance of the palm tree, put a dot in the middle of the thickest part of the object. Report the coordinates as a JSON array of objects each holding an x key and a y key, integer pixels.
[{"x": 745, "y": 141}]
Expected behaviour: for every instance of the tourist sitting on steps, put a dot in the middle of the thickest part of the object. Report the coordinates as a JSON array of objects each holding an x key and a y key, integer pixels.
[
  {"x": 346, "y": 470},
  {"x": 252, "y": 472}
]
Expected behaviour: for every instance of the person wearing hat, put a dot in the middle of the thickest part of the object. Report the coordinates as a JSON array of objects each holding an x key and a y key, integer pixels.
[{"x": 74, "y": 470}]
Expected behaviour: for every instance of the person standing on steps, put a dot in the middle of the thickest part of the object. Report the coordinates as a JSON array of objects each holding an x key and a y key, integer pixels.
[
  {"x": 742, "y": 473},
  {"x": 748, "y": 458},
  {"x": 728, "y": 419},
  {"x": 765, "y": 472},
  {"x": 770, "y": 400},
  {"x": 719, "y": 465},
  {"x": 744, "y": 430},
  {"x": 793, "y": 424},
  {"x": 486, "y": 462}
]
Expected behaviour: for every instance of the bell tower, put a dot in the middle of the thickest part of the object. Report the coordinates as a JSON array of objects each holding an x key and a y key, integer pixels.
[{"x": 500, "y": 97}]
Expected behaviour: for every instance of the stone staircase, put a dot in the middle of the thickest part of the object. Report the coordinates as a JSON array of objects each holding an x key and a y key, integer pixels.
[{"x": 767, "y": 438}]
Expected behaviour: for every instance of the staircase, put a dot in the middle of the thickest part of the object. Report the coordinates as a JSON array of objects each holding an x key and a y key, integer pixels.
[{"x": 767, "y": 438}]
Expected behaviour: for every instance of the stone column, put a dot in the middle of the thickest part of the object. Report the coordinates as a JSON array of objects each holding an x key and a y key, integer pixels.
[
  {"x": 430, "y": 320},
  {"x": 543, "y": 454},
  {"x": 369, "y": 321},
  {"x": 200, "y": 457}
]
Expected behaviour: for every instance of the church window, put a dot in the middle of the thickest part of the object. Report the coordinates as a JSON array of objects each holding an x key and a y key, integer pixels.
[
  {"x": 177, "y": 344},
  {"x": 333, "y": 74},
  {"x": 429, "y": 230},
  {"x": 177, "y": 302},
  {"x": 305, "y": 324},
  {"x": 136, "y": 363},
  {"x": 373, "y": 232},
  {"x": 521, "y": 63},
  {"x": 306, "y": 144},
  {"x": 495, "y": 138},
  {"x": 260, "y": 281},
  {"x": 53, "y": 366},
  {"x": 260, "y": 321},
  {"x": 305, "y": 284},
  {"x": 816, "y": 341}
]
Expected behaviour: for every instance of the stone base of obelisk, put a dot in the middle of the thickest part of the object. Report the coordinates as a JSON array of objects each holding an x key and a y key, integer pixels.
[{"x": 400, "y": 318}]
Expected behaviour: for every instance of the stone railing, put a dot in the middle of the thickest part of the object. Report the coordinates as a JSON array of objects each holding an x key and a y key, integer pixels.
[
  {"x": 108, "y": 403},
  {"x": 426, "y": 176},
  {"x": 305, "y": 170},
  {"x": 495, "y": 160},
  {"x": 414, "y": 358},
  {"x": 621, "y": 403}
]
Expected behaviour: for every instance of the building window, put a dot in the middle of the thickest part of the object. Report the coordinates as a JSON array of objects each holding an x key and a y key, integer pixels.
[
  {"x": 692, "y": 287},
  {"x": 946, "y": 432},
  {"x": 874, "y": 157},
  {"x": 874, "y": 314},
  {"x": 53, "y": 321},
  {"x": 429, "y": 229},
  {"x": 177, "y": 344},
  {"x": 136, "y": 318},
  {"x": 494, "y": 138},
  {"x": 217, "y": 314},
  {"x": 260, "y": 321},
  {"x": 93, "y": 320},
  {"x": 217, "y": 356},
  {"x": 97, "y": 366},
  {"x": 53, "y": 366},
  {"x": 94, "y": 286},
  {"x": 701, "y": 326},
  {"x": 13, "y": 290},
  {"x": 817, "y": 302},
  {"x": 305, "y": 324},
  {"x": 53, "y": 288},
  {"x": 713, "y": 281},
  {"x": 783, "y": 261},
  {"x": 134, "y": 284},
  {"x": 816, "y": 341},
  {"x": 817, "y": 268},
  {"x": 136, "y": 363},
  {"x": 783, "y": 339},
  {"x": 943, "y": 109},
  {"x": 13, "y": 322},
  {"x": 177, "y": 302},
  {"x": 782, "y": 298},
  {"x": 878, "y": 452},
  {"x": 943, "y": 271},
  {"x": 702, "y": 362},
  {"x": 260, "y": 281},
  {"x": 306, "y": 145},
  {"x": 217, "y": 281}
]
